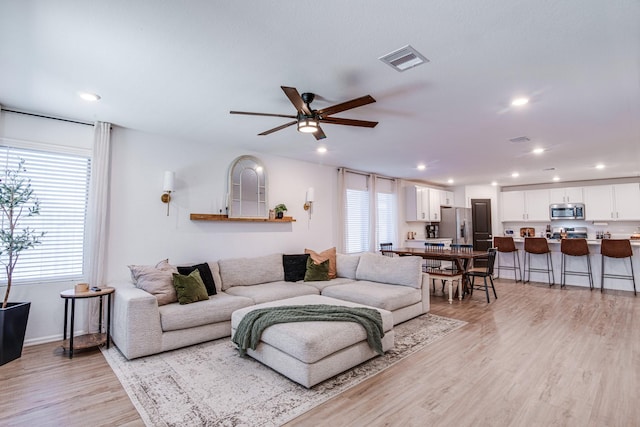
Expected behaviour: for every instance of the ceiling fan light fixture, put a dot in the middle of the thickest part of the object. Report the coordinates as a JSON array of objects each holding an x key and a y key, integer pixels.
[{"x": 307, "y": 125}]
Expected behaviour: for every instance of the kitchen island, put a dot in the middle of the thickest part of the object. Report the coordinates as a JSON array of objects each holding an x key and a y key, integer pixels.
[{"x": 616, "y": 266}]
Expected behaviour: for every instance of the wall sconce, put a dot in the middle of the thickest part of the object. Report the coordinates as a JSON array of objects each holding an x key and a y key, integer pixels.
[
  {"x": 309, "y": 200},
  {"x": 167, "y": 187}
]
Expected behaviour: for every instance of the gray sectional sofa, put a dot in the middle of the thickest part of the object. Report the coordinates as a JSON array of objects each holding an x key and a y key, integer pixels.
[{"x": 141, "y": 327}]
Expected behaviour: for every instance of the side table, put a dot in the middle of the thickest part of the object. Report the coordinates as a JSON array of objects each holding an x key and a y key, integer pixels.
[{"x": 91, "y": 339}]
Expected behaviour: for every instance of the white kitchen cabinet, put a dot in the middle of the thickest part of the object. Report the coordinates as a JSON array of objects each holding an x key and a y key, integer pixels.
[
  {"x": 434, "y": 204},
  {"x": 532, "y": 205},
  {"x": 619, "y": 202},
  {"x": 446, "y": 198},
  {"x": 417, "y": 203},
  {"x": 566, "y": 195}
]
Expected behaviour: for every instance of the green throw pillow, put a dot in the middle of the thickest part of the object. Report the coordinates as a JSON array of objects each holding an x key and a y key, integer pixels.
[
  {"x": 316, "y": 272},
  {"x": 190, "y": 288}
]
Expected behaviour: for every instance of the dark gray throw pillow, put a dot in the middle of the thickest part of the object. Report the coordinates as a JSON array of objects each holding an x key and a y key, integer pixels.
[
  {"x": 205, "y": 274},
  {"x": 295, "y": 267}
]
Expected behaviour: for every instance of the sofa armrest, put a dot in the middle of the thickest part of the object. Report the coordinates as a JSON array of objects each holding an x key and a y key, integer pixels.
[
  {"x": 136, "y": 328},
  {"x": 426, "y": 293}
]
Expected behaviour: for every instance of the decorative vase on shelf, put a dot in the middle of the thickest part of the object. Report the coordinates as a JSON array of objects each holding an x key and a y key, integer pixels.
[{"x": 272, "y": 214}]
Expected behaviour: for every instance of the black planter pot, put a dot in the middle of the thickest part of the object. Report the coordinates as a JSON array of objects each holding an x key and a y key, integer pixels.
[
  {"x": 13, "y": 325},
  {"x": 279, "y": 215}
]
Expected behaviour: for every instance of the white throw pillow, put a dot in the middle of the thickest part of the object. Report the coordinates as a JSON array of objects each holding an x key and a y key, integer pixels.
[{"x": 157, "y": 280}]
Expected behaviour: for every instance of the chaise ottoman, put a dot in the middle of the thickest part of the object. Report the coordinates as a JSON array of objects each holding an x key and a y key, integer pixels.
[{"x": 311, "y": 352}]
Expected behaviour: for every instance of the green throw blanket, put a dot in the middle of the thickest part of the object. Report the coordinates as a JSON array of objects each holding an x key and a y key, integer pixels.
[{"x": 253, "y": 323}]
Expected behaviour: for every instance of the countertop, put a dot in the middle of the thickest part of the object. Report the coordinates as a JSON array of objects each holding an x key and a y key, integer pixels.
[{"x": 589, "y": 241}]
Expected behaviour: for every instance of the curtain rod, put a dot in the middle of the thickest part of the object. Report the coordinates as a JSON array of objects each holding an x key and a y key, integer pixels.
[
  {"x": 367, "y": 174},
  {"x": 8, "y": 110}
]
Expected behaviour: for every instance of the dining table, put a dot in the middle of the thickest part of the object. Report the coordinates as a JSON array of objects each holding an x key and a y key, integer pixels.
[{"x": 462, "y": 258}]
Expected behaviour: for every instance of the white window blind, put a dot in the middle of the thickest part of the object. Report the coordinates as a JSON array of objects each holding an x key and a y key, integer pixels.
[
  {"x": 61, "y": 184},
  {"x": 356, "y": 213},
  {"x": 369, "y": 211}
]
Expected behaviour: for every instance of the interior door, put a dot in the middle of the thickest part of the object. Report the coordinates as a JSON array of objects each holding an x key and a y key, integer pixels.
[{"x": 482, "y": 237}]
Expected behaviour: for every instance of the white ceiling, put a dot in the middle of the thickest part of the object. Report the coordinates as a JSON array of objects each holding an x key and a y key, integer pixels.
[{"x": 177, "y": 68}]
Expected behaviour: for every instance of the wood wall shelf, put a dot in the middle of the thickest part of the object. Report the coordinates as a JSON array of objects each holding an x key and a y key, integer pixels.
[{"x": 218, "y": 217}]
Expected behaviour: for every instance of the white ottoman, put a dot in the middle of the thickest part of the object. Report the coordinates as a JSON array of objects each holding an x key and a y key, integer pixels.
[{"x": 311, "y": 352}]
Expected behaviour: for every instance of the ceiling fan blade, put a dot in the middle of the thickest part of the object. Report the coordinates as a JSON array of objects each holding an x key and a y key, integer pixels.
[
  {"x": 348, "y": 105},
  {"x": 286, "y": 125},
  {"x": 349, "y": 122},
  {"x": 288, "y": 116},
  {"x": 295, "y": 98},
  {"x": 319, "y": 134}
]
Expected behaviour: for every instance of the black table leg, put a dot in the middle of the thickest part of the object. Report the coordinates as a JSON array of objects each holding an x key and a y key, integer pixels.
[
  {"x": 108, "y": 318},
  {"x": 66, "y": 312},
  {"x": 100, "y": 316},
  {"x": 73, "y": 315}
]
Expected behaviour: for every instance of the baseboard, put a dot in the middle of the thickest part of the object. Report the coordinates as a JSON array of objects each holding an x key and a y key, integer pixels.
[{"x": 47, "y": 339}]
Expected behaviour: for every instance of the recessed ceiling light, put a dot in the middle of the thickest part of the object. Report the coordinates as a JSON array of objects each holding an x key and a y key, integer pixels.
[
  {"x": 519, "y": 102},
  {"x": 450, "y": 181},
  {"x": 91, "y": 97},
  {"x": 515, "y": 174},
  {"x": 321, "y": 149},
  {"x": 538, "y": 150},
  {"x": 494, "y": 183},
  {"x": 421, "y": 167},
  {"x": 599, "y": 166},
  {"x": 556, "y": 178}
]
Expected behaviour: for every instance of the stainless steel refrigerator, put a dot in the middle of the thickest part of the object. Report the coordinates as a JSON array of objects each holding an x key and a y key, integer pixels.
[{"x": 456, "y": 224}]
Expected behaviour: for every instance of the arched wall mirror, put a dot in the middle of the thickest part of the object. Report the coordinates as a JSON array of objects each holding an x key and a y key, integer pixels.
[{"x": 247, "y": 188}]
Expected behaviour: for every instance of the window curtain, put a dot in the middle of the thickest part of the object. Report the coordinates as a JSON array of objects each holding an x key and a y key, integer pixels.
[{"x": 97, "y": 212}]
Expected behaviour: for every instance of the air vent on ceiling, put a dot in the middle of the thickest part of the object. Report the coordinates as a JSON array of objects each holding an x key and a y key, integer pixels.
[
  {"x": 520, "y": 139},
  {"x": 403, "y": 58}
]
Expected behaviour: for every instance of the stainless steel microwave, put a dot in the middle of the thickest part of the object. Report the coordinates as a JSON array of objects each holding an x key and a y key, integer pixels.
[{"x": 566, "y": 211}]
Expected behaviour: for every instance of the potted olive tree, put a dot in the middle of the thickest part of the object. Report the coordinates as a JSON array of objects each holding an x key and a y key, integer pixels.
[
  {"x": 280, "y": 210},
  {"x": 17, "y": 201}
]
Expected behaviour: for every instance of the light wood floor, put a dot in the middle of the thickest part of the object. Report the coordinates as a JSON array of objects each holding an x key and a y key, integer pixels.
[{"x": 535, "y": 357}]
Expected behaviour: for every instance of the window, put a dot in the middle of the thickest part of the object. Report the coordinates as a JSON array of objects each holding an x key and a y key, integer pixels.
[
  {"x": 61, "y": 184},
  {"x": 369, "y": 211}
]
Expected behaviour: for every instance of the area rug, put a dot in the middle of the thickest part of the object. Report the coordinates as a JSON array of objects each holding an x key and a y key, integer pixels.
[{"x": 211, "y": 385}]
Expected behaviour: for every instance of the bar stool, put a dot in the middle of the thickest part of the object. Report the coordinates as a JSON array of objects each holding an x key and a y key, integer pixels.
[
  {"x": 617, "y": 248},
  {"x": 506, "y": 245},
  {"x": 538, "y": 246},
  {"x": 575, "y": 248}
]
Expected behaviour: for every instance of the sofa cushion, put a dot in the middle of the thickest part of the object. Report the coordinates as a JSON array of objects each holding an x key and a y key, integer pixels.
[
  {"x": 329, "y": 254},
  {"x": 217, "y": 308},
  {"x": 317, "y": 272},
  {"x": 273, "y": 291},
  {"x": 190, "y": 288},
  {"x": 250, "y": 271},
  {"x": 405, "y": 271},
  {"x": 295, "y": 267},
  {"x": 346, "y": 265},
  {"x": 388, "y": 297},
  {"x": 157, "y": 280},
  {"x": 205, "y": 275},
  {"x": 323, "y": 284}
]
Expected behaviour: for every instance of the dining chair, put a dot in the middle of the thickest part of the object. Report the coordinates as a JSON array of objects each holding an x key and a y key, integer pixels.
[
  {"x": 385, "y": 249},
  {"x": 486, "y": 274}
]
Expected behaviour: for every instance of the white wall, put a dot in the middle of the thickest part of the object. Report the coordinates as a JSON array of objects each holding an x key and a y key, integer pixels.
[{"x": 141, "y": 233}]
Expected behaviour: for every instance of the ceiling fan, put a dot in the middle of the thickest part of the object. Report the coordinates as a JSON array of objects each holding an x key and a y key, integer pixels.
[{"x": 309, "y": 120}]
